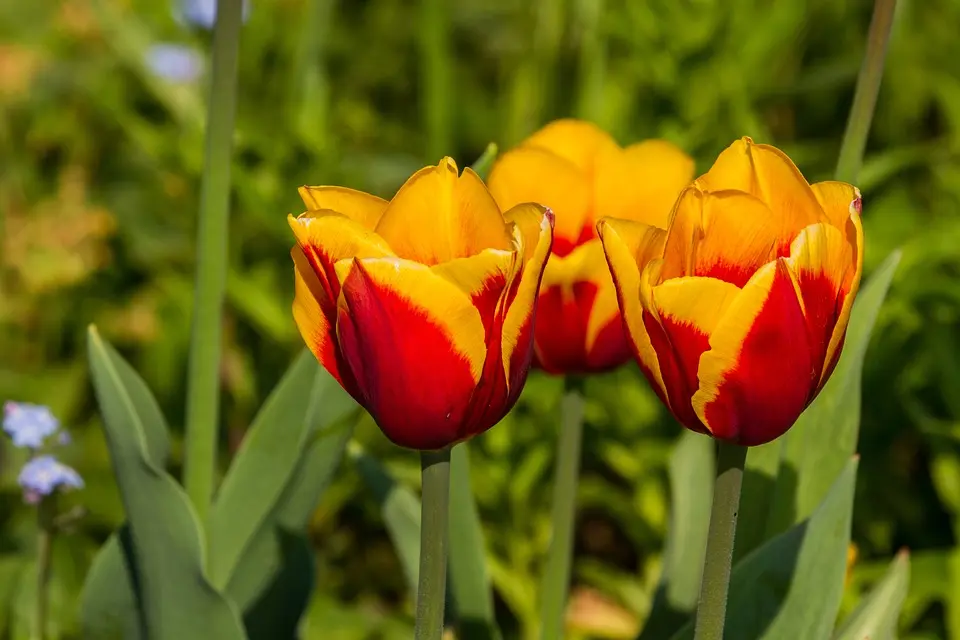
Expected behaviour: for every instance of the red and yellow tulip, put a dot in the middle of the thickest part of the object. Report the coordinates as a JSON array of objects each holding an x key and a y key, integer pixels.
[
  {"x": 422, "y": 307},
  {"x": 582, "y": 174},
  {"x": 738, "y": 311}
]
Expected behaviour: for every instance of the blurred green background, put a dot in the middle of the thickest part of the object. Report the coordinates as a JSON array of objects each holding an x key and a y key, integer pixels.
[{"x": 100, "y": 160}]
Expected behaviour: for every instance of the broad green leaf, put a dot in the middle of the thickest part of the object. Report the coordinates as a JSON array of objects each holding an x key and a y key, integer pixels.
[
  {"x": 816, "y": 449},
  {"x": 469, "y": 582},
  {"x": 314, "y": 417},
  {"x": 110, "y": 602},
  {"x": 400, "y": 509},
  {"x": 178, "y": 601},
  {"x": 791, "y": 586},
  {"x": 263, "y": 466},
  {"x": 691, "y": 472},
  {"x": 485, "y": 161},
  {"x": 262, "y": 566},
  {"x": 875, "y": 618},
  {"x": 277, "y": 611},
  {"x": 757, "y": 495}
]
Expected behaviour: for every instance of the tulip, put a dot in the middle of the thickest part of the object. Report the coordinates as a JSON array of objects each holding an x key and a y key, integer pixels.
[
  {"x": 738, "y": 310},
  {"x": 422, "y": 307},
  {"x": 583, "y": 175}
]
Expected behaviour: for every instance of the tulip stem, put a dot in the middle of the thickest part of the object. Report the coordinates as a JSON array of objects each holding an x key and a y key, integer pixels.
[
  {"x": 203, "y": 376},
  {"x": 434, "y": 525},
  {"x": 556, "y": 577},
  {"x": 865, "y": 95},
  {"x": 712, "y": 609},
  {"x": 46, "y": 510}
]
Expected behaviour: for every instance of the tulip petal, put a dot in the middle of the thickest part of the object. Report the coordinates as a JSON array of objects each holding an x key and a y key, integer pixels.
[
  {"x": 329, "y": 236},
  {"x": 315, "y": 313},
  {"x": 528, "y": 174},
  {"x": 415, "y": 344},
  {"x": 679, "y": 316},
  {"x": 483, "y": 277},
  {"x": 629, "y": 246},
  {"x": 521, "y": 307},
  {"x": 356, "y": 205},
  {"x": 768, "y": 174},
  {"x": 438, "y": 216},
  {"x": 580, "y": 330},
  {"x": 726, "y": 235},
  {"x": 576, "y": 141},
  {"x": 757, "y": 376},
  {"x": 839, "y": 201},
  {"x": 854, "y": 235},
  {"x": 642, "y": 182},
  {"x": 822, "y": 261}
]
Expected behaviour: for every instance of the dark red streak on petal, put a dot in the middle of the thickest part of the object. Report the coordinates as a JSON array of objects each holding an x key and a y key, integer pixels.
[
  {"x": 822, "y": 301},
  {"x": 561, "y": 330},
  {"x": 674, "y": 361},
  {"x": 411, "y": 379},
  {"x": 610, "y": 348},
  {"x": 736, "y": 274},
  {"x": 771, "y": 385},
  {"x": 565, "y": 246}
]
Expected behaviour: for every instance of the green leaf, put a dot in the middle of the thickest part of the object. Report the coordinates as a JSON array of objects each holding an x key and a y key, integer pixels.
[
  {"x": 469, "y": 582},
  {"x": 691, "y": 472},
  {"x": 263, "y": 466},
  {"x": 290, "y": 456},
  {"x": 823, "y": 439},
  {"x": 178, "y": 601},
  {"x": 757, "y": 496},
  {"x": 400, "y": 509},
  {"x": 791, "y": 586},
  {"x": 111, "y": 601},
  {"x": 875, "y": 618},
  {"x": 263, "y": 564},
  {"x": 485, "y": 161},
  {"x": 276, "y": 614}
]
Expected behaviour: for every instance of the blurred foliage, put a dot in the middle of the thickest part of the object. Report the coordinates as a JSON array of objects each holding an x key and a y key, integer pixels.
[{"x": 99, "y": 177}]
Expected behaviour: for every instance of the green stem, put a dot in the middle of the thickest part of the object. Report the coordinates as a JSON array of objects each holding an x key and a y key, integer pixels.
[
  {"x": 865, "y": 95},
  {"x": 435, "y": 64},
  {"x": 434, "y": 524},
  {"x": 712, "y": 609},
  {"x": 556, "y": 577},
  {"x": 203, "y": 388},
  {"x": 45, "y": 528}
]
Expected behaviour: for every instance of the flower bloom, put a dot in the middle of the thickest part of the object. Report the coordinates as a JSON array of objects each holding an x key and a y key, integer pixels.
[
  {"x": 28, "y": 425},
  {"x": 174, "y": 62},
  {"x": 738, "y": 311},
  {"x": 583, "y": 175},
  {"x": 42, "y": 475},
  {"x": 422, "y": 307}
]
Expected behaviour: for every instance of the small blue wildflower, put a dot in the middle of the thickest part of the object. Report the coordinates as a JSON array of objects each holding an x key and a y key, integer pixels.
[
  {"x": 28, "y": 425},
  {"x": 42, "y": 475},
  {"x": 203, "y": 13},
  {"x": 174, "y": 62}
]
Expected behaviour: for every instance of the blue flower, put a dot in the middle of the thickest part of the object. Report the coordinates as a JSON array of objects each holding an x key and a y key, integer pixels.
[
  {"x": 174, "y": 62},
  {"x": 42, "y": 475},
  {"x": 28, "y": 425},
  {"x": 203, "y": 13}
]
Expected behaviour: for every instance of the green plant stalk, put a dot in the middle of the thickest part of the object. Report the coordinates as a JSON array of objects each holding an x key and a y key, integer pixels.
[
  {"x": 203, "y": 381},
  {"x": 865, "y": 95},
  {"x": 46, "y": 511},
  {"x": 434, "y": 526},
  {"x": 435, "y": 70},
  {"x": 556, "y": 576},
  {"x": 712, "y": 608}
]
